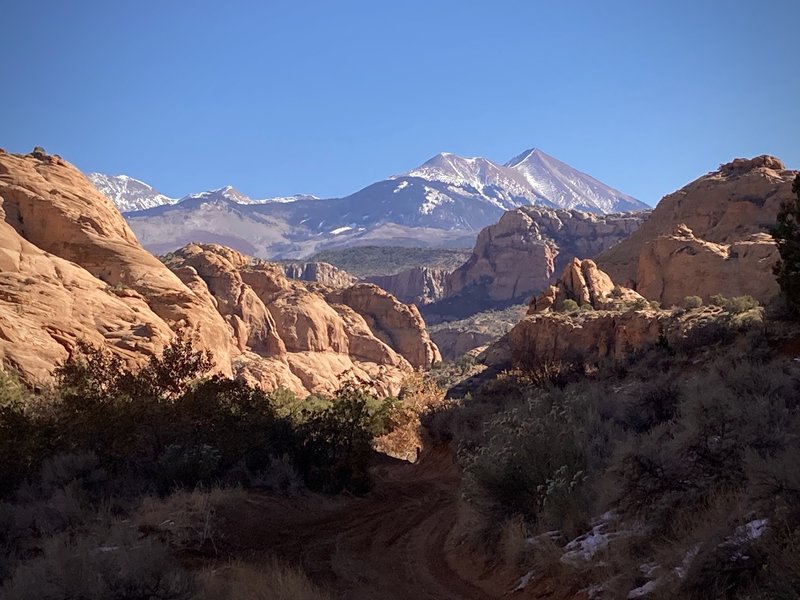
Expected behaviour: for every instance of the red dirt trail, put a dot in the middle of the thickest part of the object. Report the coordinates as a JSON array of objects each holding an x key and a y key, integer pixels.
[{"x": 391, "y": 544}]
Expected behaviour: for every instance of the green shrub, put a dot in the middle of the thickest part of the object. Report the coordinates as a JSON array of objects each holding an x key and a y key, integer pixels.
[
  {"x": 787, "y": 236},
  {"x": 337, "y": 445},
  {"x": 735, "y": 409},
  {"x": 656, "y": 403},
  {"x": 569, "y": 305},
  {"x": 736, "y": 305},
  {"x": 22, "y": 436},
  {"x": 115, "y": 565},
  {"x": 187, "y": 466},
  {"x": 533, "y": 459},
  {"x": 690, "y": 302}
]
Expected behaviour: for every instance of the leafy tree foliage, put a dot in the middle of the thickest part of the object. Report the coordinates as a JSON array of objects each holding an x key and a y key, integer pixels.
[{"x": 787, "y": 236}]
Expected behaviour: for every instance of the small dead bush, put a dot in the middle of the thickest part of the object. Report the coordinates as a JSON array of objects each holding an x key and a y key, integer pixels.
[{"x": 270, "y": 581}]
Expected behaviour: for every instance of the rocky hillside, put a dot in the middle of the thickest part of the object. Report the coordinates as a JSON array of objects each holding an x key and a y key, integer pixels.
[
  {"x": 710, "y": 237},
  {"x": 73, "y": 270},
  {"x": 606, "y": 321},
  {"x": 523, "y": 253}
]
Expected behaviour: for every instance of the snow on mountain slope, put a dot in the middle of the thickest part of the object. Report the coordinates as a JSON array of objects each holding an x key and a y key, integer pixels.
[
  {"x": 227, "y": 193},
  {"x": 130, "y": 194},
  {"x": 479, "y": 176},
  {"x": 567, "y": 187},
  {"x": 533, "y": 177},
  {"x": 127, "y": 193},
  {"x": 447, "y": 198}
]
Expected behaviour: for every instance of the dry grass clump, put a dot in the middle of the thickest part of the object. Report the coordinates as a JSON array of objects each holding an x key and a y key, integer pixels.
[
  {"x": 186, "y": 520},
  {"x": 267, "y": 581},
  {"x": 418, "y": 395}
]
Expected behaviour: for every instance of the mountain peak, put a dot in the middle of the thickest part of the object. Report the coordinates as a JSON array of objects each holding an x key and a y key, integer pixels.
[
  {"x": 228, "y": 192},
  {"x": 127, "y": 193},
  {"x": 531, "y": 153}
]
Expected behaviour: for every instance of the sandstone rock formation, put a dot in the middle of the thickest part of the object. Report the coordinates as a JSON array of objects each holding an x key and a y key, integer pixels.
[
  {"x": 523, "y": 252},
  {"x": 584, "y": 283},
  {"x": 420, "y": 285},
  {"x": 453, "y": 343},
  {"x": 94, "y": 281},
  {"x": 399, "y": 325},
  {"x": 323, "y": 273},
  {"x": 592, "y": 336},
  {"x": 710, "y": 237},
  {"x": 72, "y": 270},
  {"x": 309, "y": 340}
]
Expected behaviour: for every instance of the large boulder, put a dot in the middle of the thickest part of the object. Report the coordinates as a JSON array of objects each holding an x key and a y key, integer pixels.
[{"x": 585, "y": 284}]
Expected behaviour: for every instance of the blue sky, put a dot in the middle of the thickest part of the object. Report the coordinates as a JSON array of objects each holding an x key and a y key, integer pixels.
[{"x": 321, "y": 97}]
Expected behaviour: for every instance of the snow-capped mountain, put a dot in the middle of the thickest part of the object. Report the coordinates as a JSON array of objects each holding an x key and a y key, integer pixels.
[
  {"x": 444, "y": 201},
  {"x": 502, "y": 187},
  {"x": 567, "y": 187},
  {"x": 130, "y": 194},
  {"x": 226, "y": 193},
  {"x": 127, "y": 193},
  {"x": 533, "y": 177}
]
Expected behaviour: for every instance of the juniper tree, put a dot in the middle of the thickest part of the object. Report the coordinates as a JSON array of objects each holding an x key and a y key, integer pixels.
[{"x": 787, "y": 235}]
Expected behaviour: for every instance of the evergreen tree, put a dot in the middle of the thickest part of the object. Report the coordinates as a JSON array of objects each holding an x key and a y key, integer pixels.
[{"x": 787, "y": 236}]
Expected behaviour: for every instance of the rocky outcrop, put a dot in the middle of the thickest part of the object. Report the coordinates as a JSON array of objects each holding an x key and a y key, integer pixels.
[
  {"x": 710, "y": 237},
  {"x": 453, "y": 343},
  {"x": 62, "y": 235},
  {"x": 420, "y": 285},
  {"x": 584, "y": 283},
  {"x": 71, "y": 270},
  {"x": 524, "y": 251},
  {"x": 593, "y": 336},
  {"x": 399, "y": 325},
  {"x": 320, "y": 272},
  {"x": 308, "y": 341}
]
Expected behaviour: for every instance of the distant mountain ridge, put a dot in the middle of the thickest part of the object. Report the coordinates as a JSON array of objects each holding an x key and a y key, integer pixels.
[
  {"x": 443, "y": 202},
  {"x": 132, "y": 195}
]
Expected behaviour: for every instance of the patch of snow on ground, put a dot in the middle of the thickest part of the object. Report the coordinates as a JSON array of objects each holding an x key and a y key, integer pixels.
[
  {"x": 339, "y": 230},
  {"x": 523, "y": 582},
  {"x": 584, "y": 548},
  {"x": 403, "y": 185},
  {"x": 751, "y": 531},
  {"x": 644, "y": 590},
  {"x": 683, "y": 568}
]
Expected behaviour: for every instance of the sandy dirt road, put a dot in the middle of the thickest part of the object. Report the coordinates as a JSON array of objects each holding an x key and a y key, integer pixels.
[{"x": 390, "y": 544}]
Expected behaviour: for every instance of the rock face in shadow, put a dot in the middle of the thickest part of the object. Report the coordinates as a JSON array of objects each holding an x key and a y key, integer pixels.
[
  {"x": 320, "y": 272},
  {"x": 72, "y": 270},
  {"x": 710, "y": 237},
  {"x": 420, "y": 285}
]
